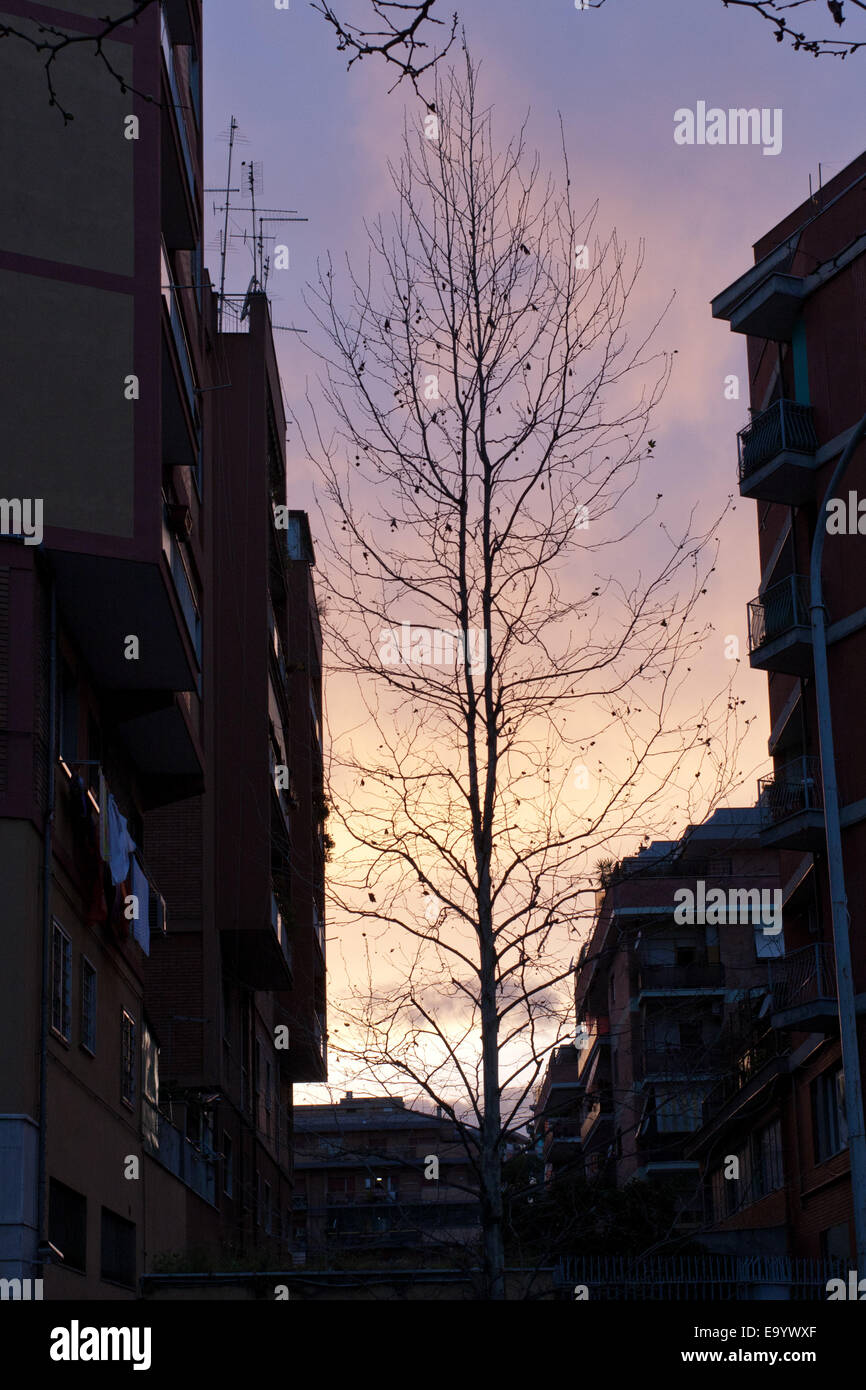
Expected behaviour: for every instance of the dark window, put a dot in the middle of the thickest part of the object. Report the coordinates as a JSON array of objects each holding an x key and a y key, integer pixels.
[
  {"x": 118, "y": 1249},
  {"x": 67, "y": 1225},
  {"x": 836, "y": 1242},
  {"x": 68, "y": 715},
  {"x": 829, "y": 1126},
  {"x": 767, "y": 1173}
]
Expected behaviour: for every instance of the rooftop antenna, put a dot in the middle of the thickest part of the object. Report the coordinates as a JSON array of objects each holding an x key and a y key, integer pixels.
[{"x": 228, "y": 190}]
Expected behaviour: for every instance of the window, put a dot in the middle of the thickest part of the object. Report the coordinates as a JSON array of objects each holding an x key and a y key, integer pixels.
[
  {"x": 258, "y": 1198},
  {"x": 836, "y": 1242},
  {"x": 678, "y": 1111},
  {"x": 61, "y": 983},
  {"x": 88, "y": 1005},
  {"x": 68, "y": 715},
  {"x": 118, "y": 1249},
  {"x": 829, "y": 1125},
  {"x": 769, "y": 945},
  {"x": 268, "y": 1210},
  {"x": 384, "y": 1188},
  {"x": 767, "y": 1160},
  {"x": 67, "y": 1224},
  {"x": 228, "y": 1165},
  {"x": 127, "y": 1059},
  {"x": 268, "y": 1085}
]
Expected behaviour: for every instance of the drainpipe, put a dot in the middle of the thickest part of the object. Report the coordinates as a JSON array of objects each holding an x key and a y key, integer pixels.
[
  {"x": 838, "y": 897},
  {"x": 41, "y": 1232}
]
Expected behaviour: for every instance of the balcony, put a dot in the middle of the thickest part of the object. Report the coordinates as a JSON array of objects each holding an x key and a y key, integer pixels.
[
  {"x": 791, "y": 802},
  {"x": 751, "y": 1061},
  {"x": 803, "y": 989},
  {"x": 780, "y": 628},
  {"x": 600, "y": 1109},
  {"x": 259, "y": 947},
  {"x": 697, "y": 1061},
  {"x": 281, "y": 931},
  {"x": 164, "y": 1142},
  {"x": 178, "y": 172},
  {"x": 694, "y": 977},
  {"x": 777, "y": 454},
  {"x": 766, "y": 301}
]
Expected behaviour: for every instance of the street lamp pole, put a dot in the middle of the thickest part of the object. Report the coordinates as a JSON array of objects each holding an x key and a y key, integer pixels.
[{"x": 838, "y": 896}]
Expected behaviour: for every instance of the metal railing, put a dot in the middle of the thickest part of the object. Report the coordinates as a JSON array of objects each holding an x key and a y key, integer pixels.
[
  {"x": 687, "y": 1060},
  {"x": 803, "y": 976},
  {"x": 183, "y": 588},
  {"x": 231, "y": 311},
  {"x": 175, "y": 1152},
  {"x": 781, "y": 607},
  {"x": 785, "y": 426},
  {"x": 694, "y": 975},
  {"x": 278, "y": 922},
  {"x": 635, "y": 867},
  {"x": 722, "y": 1277},
  {"x": 791, "y": 789}
]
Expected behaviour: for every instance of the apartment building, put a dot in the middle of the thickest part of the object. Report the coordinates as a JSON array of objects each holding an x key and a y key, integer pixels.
[
  {"x": 801, "y": 307},
  {"x": 683, "y": 935},
  {"x": 373, "y": 1175},
  {"x": 557, "y": 1115},
  {"x": 162, "y": 837}
]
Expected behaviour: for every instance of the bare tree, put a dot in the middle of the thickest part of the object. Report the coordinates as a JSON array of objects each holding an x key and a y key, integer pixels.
[
  {"x": 402, "y": 42},
  {"x": 480, "y": 427},
  {"x": 775, "y": 12}
]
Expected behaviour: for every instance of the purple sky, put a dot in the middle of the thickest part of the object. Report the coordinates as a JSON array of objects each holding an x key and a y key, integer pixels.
[{"x": 616, "y": 75}]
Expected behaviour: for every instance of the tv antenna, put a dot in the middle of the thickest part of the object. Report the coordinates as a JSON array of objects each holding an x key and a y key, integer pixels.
[{"x": 256, "y": 237}]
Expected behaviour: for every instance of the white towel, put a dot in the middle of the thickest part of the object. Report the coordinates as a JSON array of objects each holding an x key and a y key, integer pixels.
[
  {"x": 120, "y": 843},
  {"x": 141, "y": 889}
]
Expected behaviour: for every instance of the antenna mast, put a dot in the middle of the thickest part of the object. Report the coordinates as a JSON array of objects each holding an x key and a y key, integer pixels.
[{"x": 232, "y": 128}]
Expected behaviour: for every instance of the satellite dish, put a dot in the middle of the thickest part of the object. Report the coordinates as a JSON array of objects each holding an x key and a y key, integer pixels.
[{"x": 251, "y": 288}]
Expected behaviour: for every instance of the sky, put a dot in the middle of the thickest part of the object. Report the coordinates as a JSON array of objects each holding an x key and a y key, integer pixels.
[{"x": 615, "y": 76}]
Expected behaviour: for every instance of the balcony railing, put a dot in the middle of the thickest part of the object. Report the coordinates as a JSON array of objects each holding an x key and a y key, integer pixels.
[
  {"x": 175, "y": 1152},
  {"x": 666, "y": 867},
  {"x": 782, "y": 607},
  {"x": 790, "y": 790},
  {"x": 168, "y": 55},
  {"x": 183, "y": 588},
  {"x": 694, "y": 975},
  {"x": 278, "y": 922},
  {"x": 803, "y": 977},
  {"x": 682, "y": 1061},
  {"x": 786, "y": 427}
]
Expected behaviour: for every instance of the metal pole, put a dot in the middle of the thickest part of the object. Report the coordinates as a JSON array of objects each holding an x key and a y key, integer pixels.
[
  {"x": 47, "y": 881},
  {"x": 836, "y": 868}
]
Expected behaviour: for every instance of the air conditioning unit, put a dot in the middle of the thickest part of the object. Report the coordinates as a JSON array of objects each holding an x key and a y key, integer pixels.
[{"x": 156, "y": 913}]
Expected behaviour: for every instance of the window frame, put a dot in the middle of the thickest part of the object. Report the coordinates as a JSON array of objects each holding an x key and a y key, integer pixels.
[
  {"x": 64, "y": 1001},
  {"x": 87, "y": 1038},
  {"x": 127, "y": 1058}
]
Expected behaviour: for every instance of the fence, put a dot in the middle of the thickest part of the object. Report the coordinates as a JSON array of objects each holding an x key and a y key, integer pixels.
[{"x": 687, "y": 1277}]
